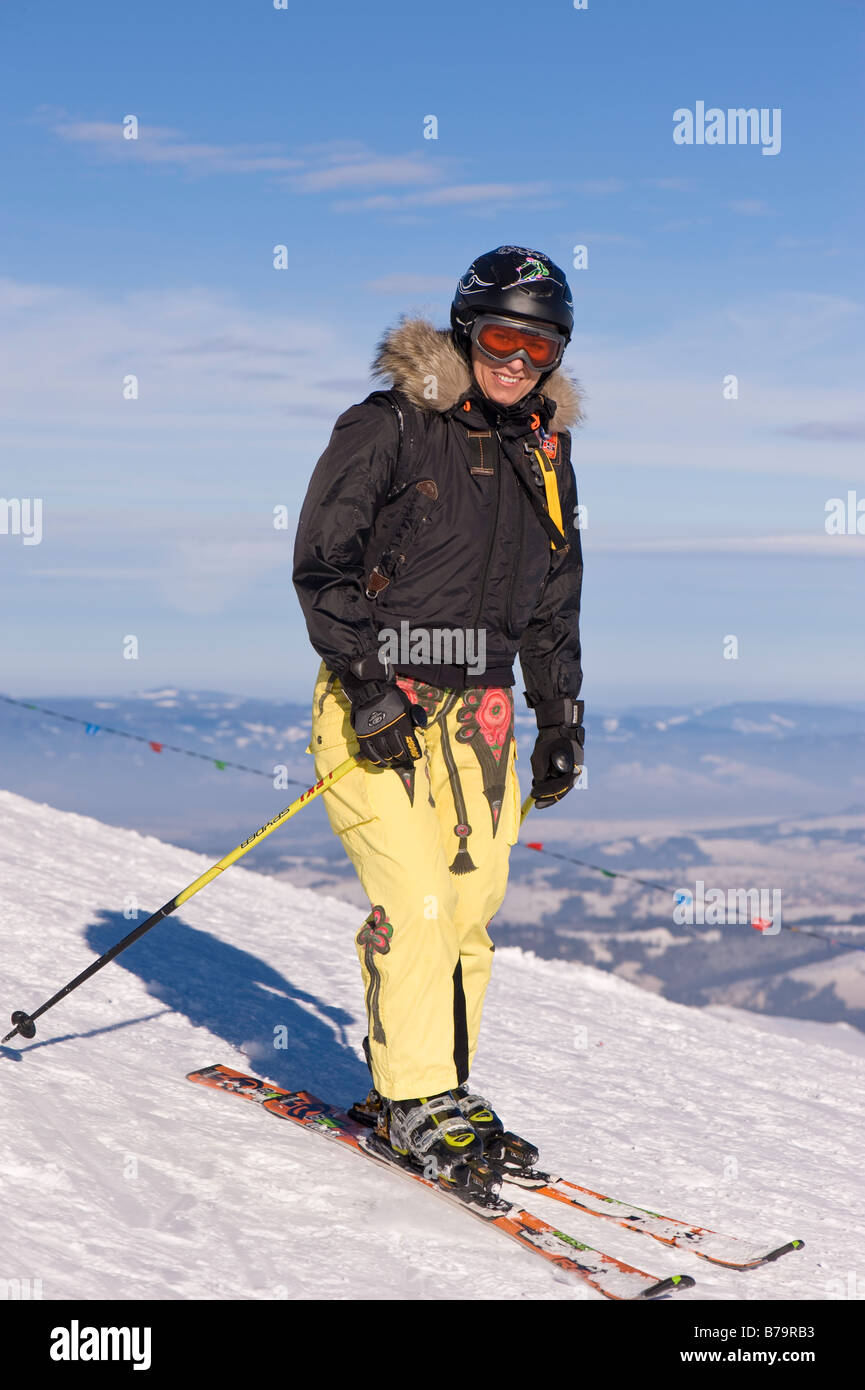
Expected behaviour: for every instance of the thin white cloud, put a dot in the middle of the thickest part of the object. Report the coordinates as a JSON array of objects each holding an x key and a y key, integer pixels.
[
  {"x": 672, "y": 185},
  {"x": 816, "y": 245},
  {"x": 336, "y": 150},
  {"x": 319, "y": 169},
  {"x": 192, "y": 563},
  {"x": 107, "y": 574},
  {"x": 799, "y": 319},
  {"x": 323, "y": 168},
  {"x": 163, "y": 145},
  {"x": 657, "y": 399},
  {"x": 207, "y": 571},
  {"x": 370, "y": 172},
  {"x": 828, "y": 547},
  {"x": 451, "y": 195},
  {"x": 827, "y": 431},
  {"x": 205, "y": 363},
  {"x": 750, "y": 207},
  {"x": 597, "y": 188}
]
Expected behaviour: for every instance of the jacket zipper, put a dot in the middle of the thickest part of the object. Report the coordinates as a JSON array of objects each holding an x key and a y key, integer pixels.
[
  {"x": 492, "y": 535},
  {"x": 509, "y": 612}
]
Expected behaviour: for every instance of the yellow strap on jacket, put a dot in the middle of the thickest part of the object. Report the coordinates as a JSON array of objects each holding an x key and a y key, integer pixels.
[{"x": 551, "y": 487}]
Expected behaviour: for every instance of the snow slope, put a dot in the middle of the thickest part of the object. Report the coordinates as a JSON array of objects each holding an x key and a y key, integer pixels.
[{"x": 120, "y": 1179}]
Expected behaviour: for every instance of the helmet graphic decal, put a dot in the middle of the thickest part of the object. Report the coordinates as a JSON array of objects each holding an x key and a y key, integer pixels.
[
  {"x": 536, "y": 271},
  {"x": 471, "y": 282}
]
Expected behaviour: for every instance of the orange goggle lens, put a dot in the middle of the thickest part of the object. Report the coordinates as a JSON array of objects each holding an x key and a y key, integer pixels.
[{"x": 504, "y": 342}]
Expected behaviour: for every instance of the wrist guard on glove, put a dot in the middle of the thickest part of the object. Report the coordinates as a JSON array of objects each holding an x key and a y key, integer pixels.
[
  {"x": 382, "y": 716},
  {"x": 557, "y": 757}
]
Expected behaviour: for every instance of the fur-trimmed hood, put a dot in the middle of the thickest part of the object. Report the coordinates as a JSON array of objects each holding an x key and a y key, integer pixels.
[{"x": 414, "y": 350}]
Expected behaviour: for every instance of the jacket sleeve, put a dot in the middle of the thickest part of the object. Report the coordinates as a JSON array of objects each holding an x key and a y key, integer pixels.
[
  {"x": 550, "y": 655},
  {"x": 350, "y": 482}
]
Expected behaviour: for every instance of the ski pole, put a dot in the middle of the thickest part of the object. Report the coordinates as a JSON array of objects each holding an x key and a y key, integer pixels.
[{"x": 24, "y": 1023}]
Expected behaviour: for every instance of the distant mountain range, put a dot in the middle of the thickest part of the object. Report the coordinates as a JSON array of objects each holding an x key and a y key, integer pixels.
[
  {"x": 743, "y": 795},
  {"x": 740, "y": 759}
]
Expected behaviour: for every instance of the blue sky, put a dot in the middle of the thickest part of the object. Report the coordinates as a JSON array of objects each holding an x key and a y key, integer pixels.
[{"x": 304, "y": 127}]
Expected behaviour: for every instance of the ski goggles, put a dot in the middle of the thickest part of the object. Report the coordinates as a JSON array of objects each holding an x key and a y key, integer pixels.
[{"x": 503, "y": 339}]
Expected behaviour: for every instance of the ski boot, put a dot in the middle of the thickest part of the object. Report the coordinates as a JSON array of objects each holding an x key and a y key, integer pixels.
[
  {"x": 506, "y": 1152},
  {"x": 479, "y": 1114},
  {"x": 432, "y": 1134}
]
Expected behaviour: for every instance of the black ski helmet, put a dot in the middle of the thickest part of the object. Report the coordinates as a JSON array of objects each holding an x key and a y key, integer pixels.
[{"x": 512, "y": 280}]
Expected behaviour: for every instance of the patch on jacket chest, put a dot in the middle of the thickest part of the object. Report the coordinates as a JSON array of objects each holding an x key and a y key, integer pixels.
[{"x": 482, "y": 458}]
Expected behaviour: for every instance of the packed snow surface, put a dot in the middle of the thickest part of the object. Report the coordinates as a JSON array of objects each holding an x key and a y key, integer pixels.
[{"x": 120, "y": 1179}]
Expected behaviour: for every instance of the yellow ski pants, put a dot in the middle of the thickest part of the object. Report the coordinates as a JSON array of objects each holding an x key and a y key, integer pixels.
[{"x": 430, "y": 845}]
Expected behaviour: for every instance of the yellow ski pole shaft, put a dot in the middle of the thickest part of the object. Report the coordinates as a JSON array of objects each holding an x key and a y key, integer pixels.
[
  {"x": 24, "y": 1023},
  {"x": 246, "y": 845}
]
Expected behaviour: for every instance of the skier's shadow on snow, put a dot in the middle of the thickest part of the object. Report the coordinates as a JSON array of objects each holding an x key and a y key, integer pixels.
[{"x": 241, "y": 998}]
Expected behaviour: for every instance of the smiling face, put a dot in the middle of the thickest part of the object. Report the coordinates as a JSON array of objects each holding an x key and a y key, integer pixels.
[{"x": 503, "y": 382}]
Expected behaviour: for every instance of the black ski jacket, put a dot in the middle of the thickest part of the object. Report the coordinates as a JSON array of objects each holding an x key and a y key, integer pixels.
[{"x": 427, "y": 512}]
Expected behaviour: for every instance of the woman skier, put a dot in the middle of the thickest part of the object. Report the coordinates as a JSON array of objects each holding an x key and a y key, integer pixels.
[{"x": 438, "y": 541}]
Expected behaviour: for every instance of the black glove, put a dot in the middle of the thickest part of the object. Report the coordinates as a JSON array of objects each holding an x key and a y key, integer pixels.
[
  {"x": 382, "y": 716},
  {"x": 557, "y": 757}
]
